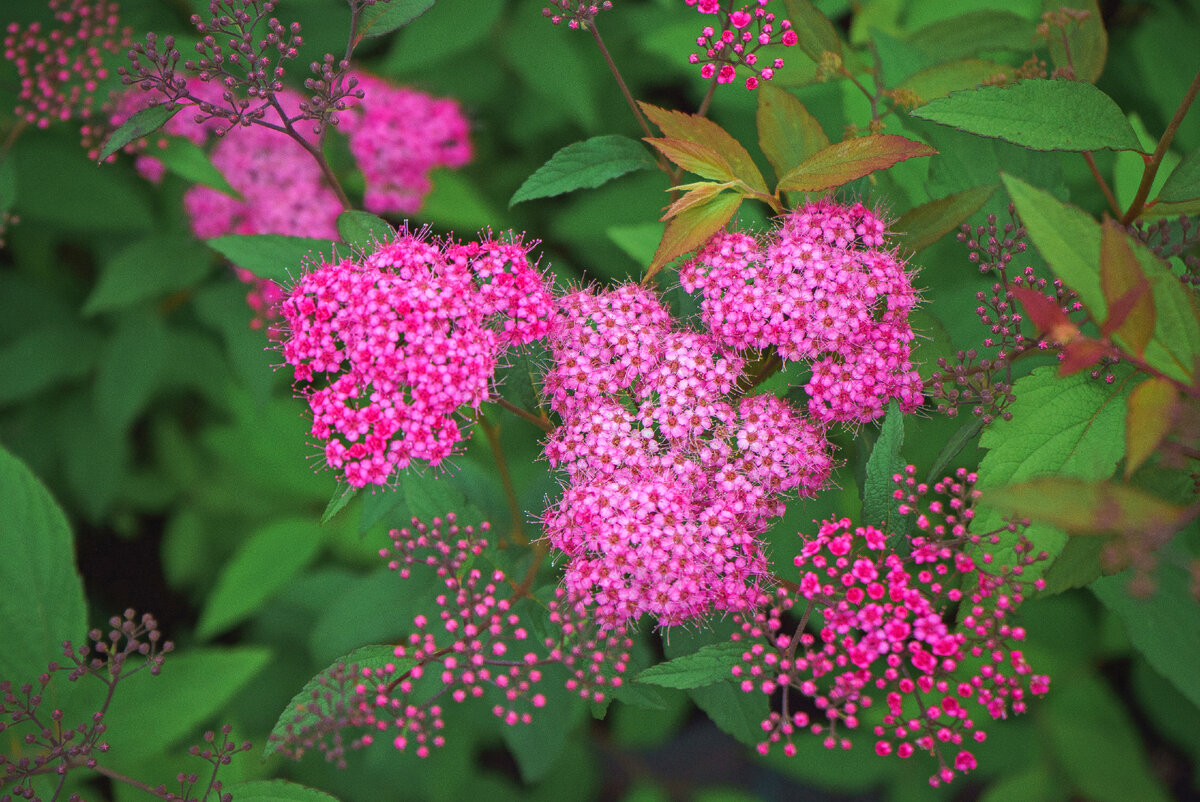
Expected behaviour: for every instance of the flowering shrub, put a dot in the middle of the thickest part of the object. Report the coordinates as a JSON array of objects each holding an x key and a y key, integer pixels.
[{"x": 660, "y": 469}]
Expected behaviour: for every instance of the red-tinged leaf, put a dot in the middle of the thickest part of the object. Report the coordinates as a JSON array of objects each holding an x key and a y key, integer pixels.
[
  {"x": 703, "y": 131},
  {"x": 693, "y": 227},
  {"x": 923, "y": 225},
  {"x": 695, "y": 158},
  {"x": 1123, "y": 282},
  {"x": 843, "y": 162},
  {"x": 1151, "y": 413},
  {"x": 697, "y": 193},
  {"x": 1080, "y": 507},
  {"x": 787, "y": 133},
  {"x": 1081, "y": 353},
  {"x": 1046, "y": 315}
]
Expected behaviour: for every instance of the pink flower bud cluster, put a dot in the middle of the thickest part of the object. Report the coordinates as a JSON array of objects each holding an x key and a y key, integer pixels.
[
  {"x": 578, "y": 14},
  {"x": 734, "y": 41},
  {"x": 876, "y": 627},
  {"x": 60, "y": 67},
  {"x": 671, "y": 477},
  {"x": 393, "y": 344},
  {"x": 824, "y": 290},
  {"x": 189, "y": 122},
  {"x": 397, "y": 136},
  {"x": 481, "y": 644}
]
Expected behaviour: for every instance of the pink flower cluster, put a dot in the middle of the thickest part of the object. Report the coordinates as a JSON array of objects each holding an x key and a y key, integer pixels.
[
  {"x": 397, "y": 136},
  {"x": 395, "y": 343},
  {"x": 671, "y": 476},
  {"x": 481, "y": 643},
  {"x": 60, "y": 68},
  {"x": 821, "y": 289},
  {"x": 882, "y": 633},
  {"x": 734, "y": 42}
]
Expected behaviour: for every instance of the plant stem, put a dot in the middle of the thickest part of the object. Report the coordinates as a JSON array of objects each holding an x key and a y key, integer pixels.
[
  {"x": 1108, "y": 193},
  {"x": 538, "y": 421},
  {"x": 492, "y": 432},
  {"x": 1143, "y": 190}
]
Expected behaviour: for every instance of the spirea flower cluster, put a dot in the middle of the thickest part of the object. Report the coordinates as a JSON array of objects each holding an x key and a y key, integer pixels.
[
  {"x": 671, "y": 476},
  {"x": 825, "y": 290},
  {"x": 397, "y": 136},
  {"x": 734, "y": 41},
  {"x": 60, "y": 66},
  {"x": 876, "y": 626},
  {"x": 390, "y": 345}
]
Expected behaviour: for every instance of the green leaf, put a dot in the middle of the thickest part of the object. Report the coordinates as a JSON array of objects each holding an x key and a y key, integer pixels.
[
  {"x": 1086, "y": 508},
  {"x": 277, "y": 791},
  {"x": 639, "y": 241},
  {"x": 879, "y": 507},
  {"x": 710, "y": 664},
  {"x": 1037, "y": 114},
  {"x": 843, "y": 162},
  {"x": 942, "y": 79},
  {"x": 695, "y": 158},
  {"x": 385, "y": 17},
  {"x": 815, "y": 33},
  {"x": 195, "y": 685},
  {"x": 300, "y": 711},
  {"x": 1152, "y": 410},
  {"x": 1097, "y": 744},
  {"x": 923, "y": 225},
  {"x": 342, "y": 496},
  {"x": 693, "y": 227},
  {"x": 787, "y": 133},
  {"x": 141, "y": 123},
  {"x": 734, "y": 711},
  {"x": 53, "y": 353},
  {"x": 189, "y": 161},
  {"x": 1061, "y": 426},
  {"x": 428, "y": 497},
  {"x": 150, "y": 268},
  {"x": 8, "y": 183},
  {"x": 130, "y": 368},
  {"x": 43, "y": 601},
  {"x": 260, "y": 567},
  {"x": 972, "y": 33},
  {"x": 703, "y": 131},
  {"x": 584, "y": 165},
  {"x": 362, "y": 229},
  {"x": 272, "y": 256},
  {"x": 1184, "y": 181},
  {"x": 538, "y": 745},
  {"x": 1163, "y": 627},
  {"x": 1087, "y": 40}
]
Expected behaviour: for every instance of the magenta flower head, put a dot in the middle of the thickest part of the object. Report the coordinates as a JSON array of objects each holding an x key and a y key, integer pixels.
[
  {"x": 61, "y": 66},
  {"x": 388, "y": 347},
  {"x": 822, "y": 289},
  {"x": 732, "y": 42}
]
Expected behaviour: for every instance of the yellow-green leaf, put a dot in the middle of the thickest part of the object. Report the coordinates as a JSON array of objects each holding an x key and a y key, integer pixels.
[
  {"x": 695, "y": 158},
  {"x": 692, "y": 227},
  {"x": 923, "y": 225},
  {"x": 700, "y": 192},
  {"x": 787, "y": 133},
  {"x": 703, "y": 131},
  {"x": 942, "y": 79},
  {"x": 1121, "y": 273},
  {"x": 1080, "y": 507},
  {"x": 1151, "y": 410}
]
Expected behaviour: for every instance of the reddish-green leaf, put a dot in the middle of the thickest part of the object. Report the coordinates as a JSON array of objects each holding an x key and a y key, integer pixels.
[
  {"x": 1131, "y": 313},
  {"x": 700, "y": 192},
  {"x": 1087, "y": 508},
  {"x": 1151, "y": 410},
  {"x": 1082, "y": 353},
  {"x": 692, "y": 227},
  {"x": 1088, "y": 41},
  {"x": 1046, "y": 314},
  {"x": 787, "y": 133},
  {"x": 695, "y": 158},
  {"x": 703, "y": 131},
  {"x": 843, "y": 162},
  {"x": 815, "y": 33},
  {"x": 923, "y": 225}
]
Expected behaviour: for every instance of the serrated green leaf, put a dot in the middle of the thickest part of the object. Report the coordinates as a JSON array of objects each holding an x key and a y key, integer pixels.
[
  {"x": 43, "y": 604},
  {"x": 702, "y": 131},
  {"x": 260, "y": 567},
  {"x": 695, "y": 158},
  {"x": 787, "y": 133},
  {"x": 189, "y": 161},
  {"x": 1037, "y": 114},
  {"x": 734, "y": 711},
  {"x": 342, "y": 496},
  {"x": 879, "y": 507},
  {"x": 843, "y": 162},
  {"x": 299, "y": 713},
  {"x": 584, "y": 165},
  {"x": 923, "y": 225},
  {"x": 957, "y": 442},
  {"x": 385, "y": 17},
  {"x": 271, "y": 256},
  {"x": 1067, "y": 426},
  {"x": 277, "y": 791},
  {"x": 141, "y": 123},
  {"x": 693, "y": 227},
  {"x": 150, "y": 268},
  {"x": 709, "y": 664},
  {"x": 362, "y": 229}
]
